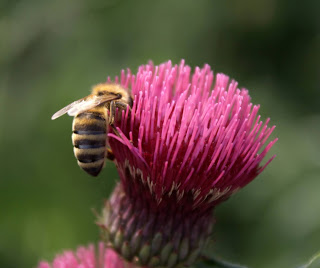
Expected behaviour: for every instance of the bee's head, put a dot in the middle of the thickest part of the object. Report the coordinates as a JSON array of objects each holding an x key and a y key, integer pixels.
[
  {"x": 106, "y": 89},
  {"x": 101, "y": 89},
  {"x": 112, "y": 89},
  {"x": 100, "y": 93}
]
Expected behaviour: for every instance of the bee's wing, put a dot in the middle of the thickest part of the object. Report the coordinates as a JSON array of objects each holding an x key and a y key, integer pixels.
[
  {"x": 77, "y": 103},
  {"x": 83, "y": 105}
]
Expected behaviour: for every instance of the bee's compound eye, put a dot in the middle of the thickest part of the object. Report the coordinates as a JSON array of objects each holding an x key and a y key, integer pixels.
[{"x": 100, "y": 93}]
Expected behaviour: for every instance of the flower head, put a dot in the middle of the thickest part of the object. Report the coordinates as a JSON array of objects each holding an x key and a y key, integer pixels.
[
  {"x": 189, "y": 142},
  {"x": 190, "y": 133},
  {"x": 87, "y": 258}
]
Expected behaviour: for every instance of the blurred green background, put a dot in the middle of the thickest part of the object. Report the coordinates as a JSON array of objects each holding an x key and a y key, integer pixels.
[{"x": 52, "y": 52}]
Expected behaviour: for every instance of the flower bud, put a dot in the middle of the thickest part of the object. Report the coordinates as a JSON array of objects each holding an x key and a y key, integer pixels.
[{"x": 152, "y": 234}]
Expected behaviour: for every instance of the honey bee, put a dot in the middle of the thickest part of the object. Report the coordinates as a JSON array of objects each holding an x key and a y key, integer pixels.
[{"x": 92, "y": 116}]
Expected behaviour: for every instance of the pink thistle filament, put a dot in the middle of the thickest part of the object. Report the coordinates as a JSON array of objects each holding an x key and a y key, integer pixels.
[{"x": 190, "y": 133}]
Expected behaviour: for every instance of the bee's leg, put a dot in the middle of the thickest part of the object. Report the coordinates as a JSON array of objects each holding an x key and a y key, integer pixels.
[
  {"x": 123, "y": 106},
  {"x": 111, "y": 118},
  {"x": 112, "y": 113},
  {"x": 110, "y": 154},
  {"x": 115, "y": 131}
]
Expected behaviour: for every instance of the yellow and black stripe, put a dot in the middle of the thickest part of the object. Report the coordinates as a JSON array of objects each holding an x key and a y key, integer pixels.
[{"x": 89, "y": 141}]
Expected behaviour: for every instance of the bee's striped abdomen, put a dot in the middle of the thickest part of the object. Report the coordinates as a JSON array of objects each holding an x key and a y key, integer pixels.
[{"x": 89, "y": 141}]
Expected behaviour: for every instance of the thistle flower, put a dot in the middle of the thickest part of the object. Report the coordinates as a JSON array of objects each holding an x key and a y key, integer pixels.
[
  {"x": 189, "y": 143},
  {"x": 87, "y": 258}
]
